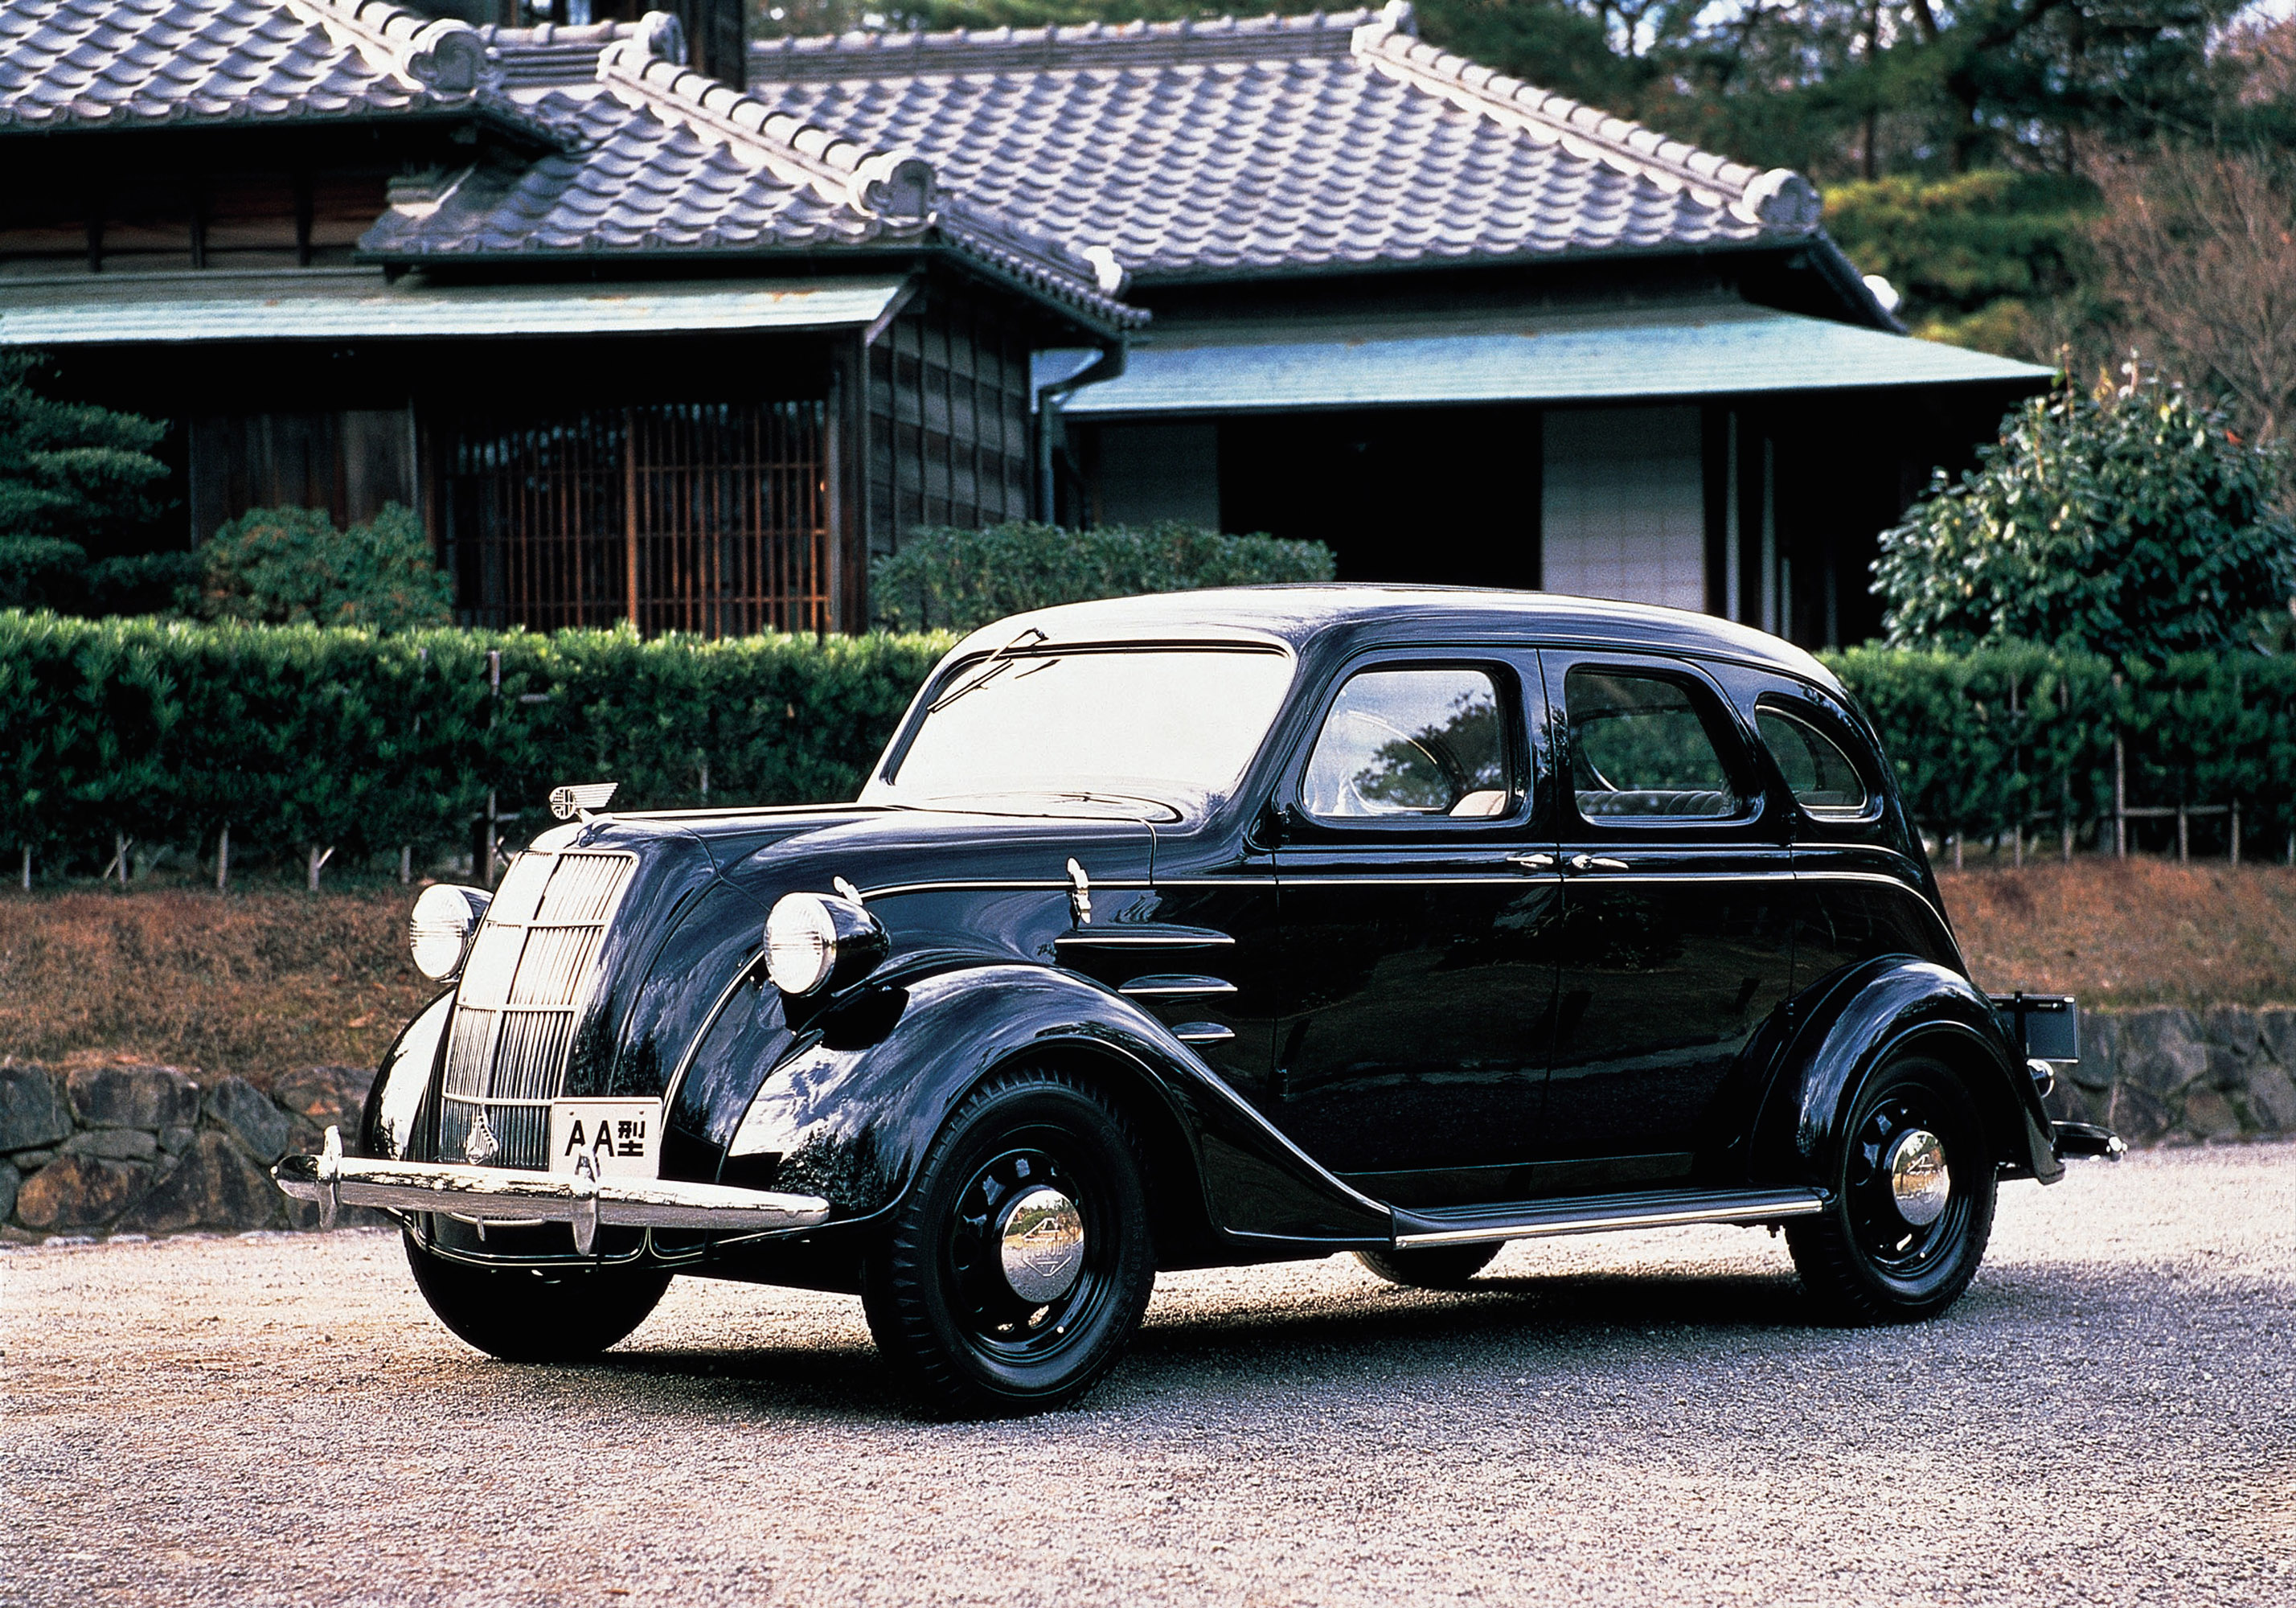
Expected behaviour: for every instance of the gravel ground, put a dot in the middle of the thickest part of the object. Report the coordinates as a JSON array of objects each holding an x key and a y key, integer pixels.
[{"x": 2109, "y": 1416}]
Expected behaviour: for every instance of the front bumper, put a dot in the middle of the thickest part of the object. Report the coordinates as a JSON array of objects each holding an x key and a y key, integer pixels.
[{"x": 510, "y": 1195}]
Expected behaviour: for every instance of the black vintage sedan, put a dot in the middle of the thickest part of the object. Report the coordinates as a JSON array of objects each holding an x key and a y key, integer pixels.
[{"x": 1215, "y": 929}]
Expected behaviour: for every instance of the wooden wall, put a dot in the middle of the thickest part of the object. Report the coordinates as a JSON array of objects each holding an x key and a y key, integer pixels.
[{"x": 947, "y": 417}]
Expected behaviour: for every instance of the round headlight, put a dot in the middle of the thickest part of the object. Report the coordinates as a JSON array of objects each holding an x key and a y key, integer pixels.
[
  {"x": 816, "y": 942},
  {"x": 801, "y": 943},
  {"x": 438, "y": 932}
]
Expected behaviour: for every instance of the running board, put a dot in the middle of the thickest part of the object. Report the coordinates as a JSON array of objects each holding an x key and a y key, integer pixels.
[{"x": 1599, "y": 1214}]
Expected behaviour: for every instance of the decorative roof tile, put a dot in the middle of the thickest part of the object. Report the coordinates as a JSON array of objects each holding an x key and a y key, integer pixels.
[{"x": 65, "y": 63}]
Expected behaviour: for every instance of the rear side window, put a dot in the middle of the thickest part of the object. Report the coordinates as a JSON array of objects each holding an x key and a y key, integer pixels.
[
  {"x": 1639, "y": 748},
  {"x": 1816, "y": 771}
]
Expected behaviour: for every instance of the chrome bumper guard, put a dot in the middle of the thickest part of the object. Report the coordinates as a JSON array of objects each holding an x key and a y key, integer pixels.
[{"x": 580, "y": 1198}]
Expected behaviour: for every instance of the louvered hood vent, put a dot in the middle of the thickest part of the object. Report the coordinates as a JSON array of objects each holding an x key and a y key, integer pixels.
[{"x": 521, "y": 998}]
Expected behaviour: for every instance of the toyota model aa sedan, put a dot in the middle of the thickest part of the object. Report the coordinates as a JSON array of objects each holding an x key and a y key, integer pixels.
[{"x": 1212, "y": 929}]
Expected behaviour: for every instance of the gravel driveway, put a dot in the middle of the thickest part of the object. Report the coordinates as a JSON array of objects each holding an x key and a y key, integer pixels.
[{"x": 2109, "y": 1416}]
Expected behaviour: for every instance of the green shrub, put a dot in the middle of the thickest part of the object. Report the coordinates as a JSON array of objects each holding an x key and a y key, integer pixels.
[
  {"x": 2128, "y": 523},
  {"x": 946, "y": 579},
  {"x": 292, "y": 566},
  {"x": 295, "y": 735}
]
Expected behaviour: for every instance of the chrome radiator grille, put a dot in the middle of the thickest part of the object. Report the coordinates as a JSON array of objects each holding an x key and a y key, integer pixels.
[{"x": 522, "y": 997}]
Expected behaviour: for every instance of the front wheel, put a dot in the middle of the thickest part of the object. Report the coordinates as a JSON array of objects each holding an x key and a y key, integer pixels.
[
  {"x": 1430, "y": 1266},
  {"x": 555, "y": 1314},
  {"x": 1016, "y": 1269},
  {"x": 1912, "y": 1210}
]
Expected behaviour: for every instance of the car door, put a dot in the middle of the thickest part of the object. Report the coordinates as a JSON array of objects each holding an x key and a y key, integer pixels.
[
  {"x": 1678, "y": 908},
  {"x": 1418, "y": 902}
]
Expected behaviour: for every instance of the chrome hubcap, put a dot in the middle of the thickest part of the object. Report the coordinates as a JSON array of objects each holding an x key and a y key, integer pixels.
[
  {"x": 1920, "y": 1182},
  {"x": 1041, "y": 1245}
]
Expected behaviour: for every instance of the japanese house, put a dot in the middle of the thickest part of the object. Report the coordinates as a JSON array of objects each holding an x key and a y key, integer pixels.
[{"x": 641, "y": 341}]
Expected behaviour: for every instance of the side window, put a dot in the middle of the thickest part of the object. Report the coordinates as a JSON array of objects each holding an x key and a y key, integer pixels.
[
  {"x": 1423, "y": 741},
  {"x": 1819, "y": 775},
  {"x": 1638, "y": 749}
]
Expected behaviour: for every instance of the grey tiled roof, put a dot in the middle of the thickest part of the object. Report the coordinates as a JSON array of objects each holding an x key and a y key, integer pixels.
[
  {"x": 65, "y": 63},
  {"x": 657, "y": 157},
  {"x": 1064, "y": 157},
  {"x": 1272, "y": 143},
  {"x": 630, "y": 152}
]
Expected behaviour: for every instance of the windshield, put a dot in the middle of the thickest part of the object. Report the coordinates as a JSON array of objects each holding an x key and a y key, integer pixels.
[{"x": 1034, "y": 718}]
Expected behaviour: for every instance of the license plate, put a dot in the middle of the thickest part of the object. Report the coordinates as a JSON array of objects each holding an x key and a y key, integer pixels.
[{"x": 621, "y": 1138}]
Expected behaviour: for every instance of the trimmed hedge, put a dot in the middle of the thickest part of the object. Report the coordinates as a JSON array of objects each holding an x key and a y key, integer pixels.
[
  {"x": 296, "y": 736},
  {"x": 946, "y": 577},
  {"x": 1988, "y": 740}
]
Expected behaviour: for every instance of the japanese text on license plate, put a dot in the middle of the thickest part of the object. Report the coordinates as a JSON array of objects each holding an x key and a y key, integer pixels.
[{"x": 621, "y": 1138}]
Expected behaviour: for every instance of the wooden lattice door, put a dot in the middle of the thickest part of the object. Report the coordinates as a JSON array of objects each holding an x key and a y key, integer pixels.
[{"x": 708, "y": 517}]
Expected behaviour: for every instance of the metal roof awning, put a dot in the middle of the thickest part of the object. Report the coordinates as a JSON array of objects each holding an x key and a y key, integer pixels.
[
  {"x": 354, "y": 304},
  {"x": 1654, "y": 353}
]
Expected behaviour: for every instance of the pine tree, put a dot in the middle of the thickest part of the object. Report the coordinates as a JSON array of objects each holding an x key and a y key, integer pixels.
[{"x": 72, "y": 476}]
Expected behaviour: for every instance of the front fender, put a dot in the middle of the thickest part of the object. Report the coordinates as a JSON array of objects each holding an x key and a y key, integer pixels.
[
  {"x": 852, "y": 1108},
  {"x": 1857, "y": 1019},
  {"x": 402, "y": 1083}
]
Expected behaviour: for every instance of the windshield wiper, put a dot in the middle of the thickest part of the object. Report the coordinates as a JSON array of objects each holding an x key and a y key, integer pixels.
[{"x": 988, "y": 670}]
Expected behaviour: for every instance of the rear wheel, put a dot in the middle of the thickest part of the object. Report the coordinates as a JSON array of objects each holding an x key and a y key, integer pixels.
[
  {"x": 555, "y": 1314},
  {"x": 1913, "y": 1200},
  {"x": 1431, "y": 1266},
  {"x": 1016, "y": 1268}
]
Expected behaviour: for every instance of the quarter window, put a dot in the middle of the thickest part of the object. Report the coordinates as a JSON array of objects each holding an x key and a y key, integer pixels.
[
  {"x": 1638, "y": 749},
  {"x": 1819, "y": 775},
  {"x": 1412, "y": 742}
]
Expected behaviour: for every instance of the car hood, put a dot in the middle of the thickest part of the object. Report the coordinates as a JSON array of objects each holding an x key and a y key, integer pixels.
[{"x": 944, "y": 881}]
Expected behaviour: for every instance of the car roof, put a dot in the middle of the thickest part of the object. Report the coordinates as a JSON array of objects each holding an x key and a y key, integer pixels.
[{"x": 1297, "y": 614}]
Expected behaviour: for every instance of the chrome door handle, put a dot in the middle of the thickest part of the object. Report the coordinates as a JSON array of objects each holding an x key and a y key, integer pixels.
[
  {"x": 1531, "y": 862},
  {"x": 1596, "y": 862}
]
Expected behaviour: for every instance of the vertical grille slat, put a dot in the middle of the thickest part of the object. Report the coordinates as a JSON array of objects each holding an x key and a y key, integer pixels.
[{"x": 523, "y": 993}]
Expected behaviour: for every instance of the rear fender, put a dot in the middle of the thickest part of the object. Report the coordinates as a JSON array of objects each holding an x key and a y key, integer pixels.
[
  {"x": 853, "y": 1106},
  {"x": 1856, "y": 1019}
]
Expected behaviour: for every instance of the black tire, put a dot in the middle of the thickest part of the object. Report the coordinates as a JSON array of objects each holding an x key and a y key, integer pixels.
[
  {"x": 1430, "y": 1267},
  {"x": 946, "y": 1315},
  {"x": 564, "y": 1314},
  {"x": 1861, "y": 1260}
]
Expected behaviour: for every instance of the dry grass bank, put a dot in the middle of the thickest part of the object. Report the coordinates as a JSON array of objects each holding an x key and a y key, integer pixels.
[
  {"x": 269, "y": 980},
  {"x": 255, "y": 983},
  {"x": 2130, "y": 932}
]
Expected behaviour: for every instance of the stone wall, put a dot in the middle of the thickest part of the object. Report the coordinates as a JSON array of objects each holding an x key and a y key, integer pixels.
[
  {"x": 2176, "y": 1076},
  {"x": 148, "y": 1150}
]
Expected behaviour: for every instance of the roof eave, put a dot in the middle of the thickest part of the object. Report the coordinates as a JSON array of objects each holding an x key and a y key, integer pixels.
[
  {"x": 861, "y": 256},
  {"x": 1837, "y": 270}
]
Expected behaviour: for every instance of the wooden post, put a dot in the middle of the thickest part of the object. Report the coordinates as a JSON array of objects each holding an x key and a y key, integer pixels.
[
  {"x": 2017, "y": 845},
  {"x": 2120, "y": 800},
  {"x": 223, "y": 859},
  {"x": 2236, "y": 832},
  {"x": 318, "y": 858},
  {"x": 2184, "y": 849},
  {"x": 406, "y": 863},
  {"x": 2065, "y": 813},
  {"x": 28, "y": 869},
  {"x": 629, "y": 512},
  {"x": 1956, "y": 851}
]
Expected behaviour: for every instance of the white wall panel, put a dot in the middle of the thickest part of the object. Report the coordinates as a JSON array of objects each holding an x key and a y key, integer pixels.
[{"x": 1624, "y": 508}]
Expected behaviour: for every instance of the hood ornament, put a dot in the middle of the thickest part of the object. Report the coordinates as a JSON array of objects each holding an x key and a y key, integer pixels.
[
  {"x": 479, "y": 1145},
  {"x": 581, "y": 799}
]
